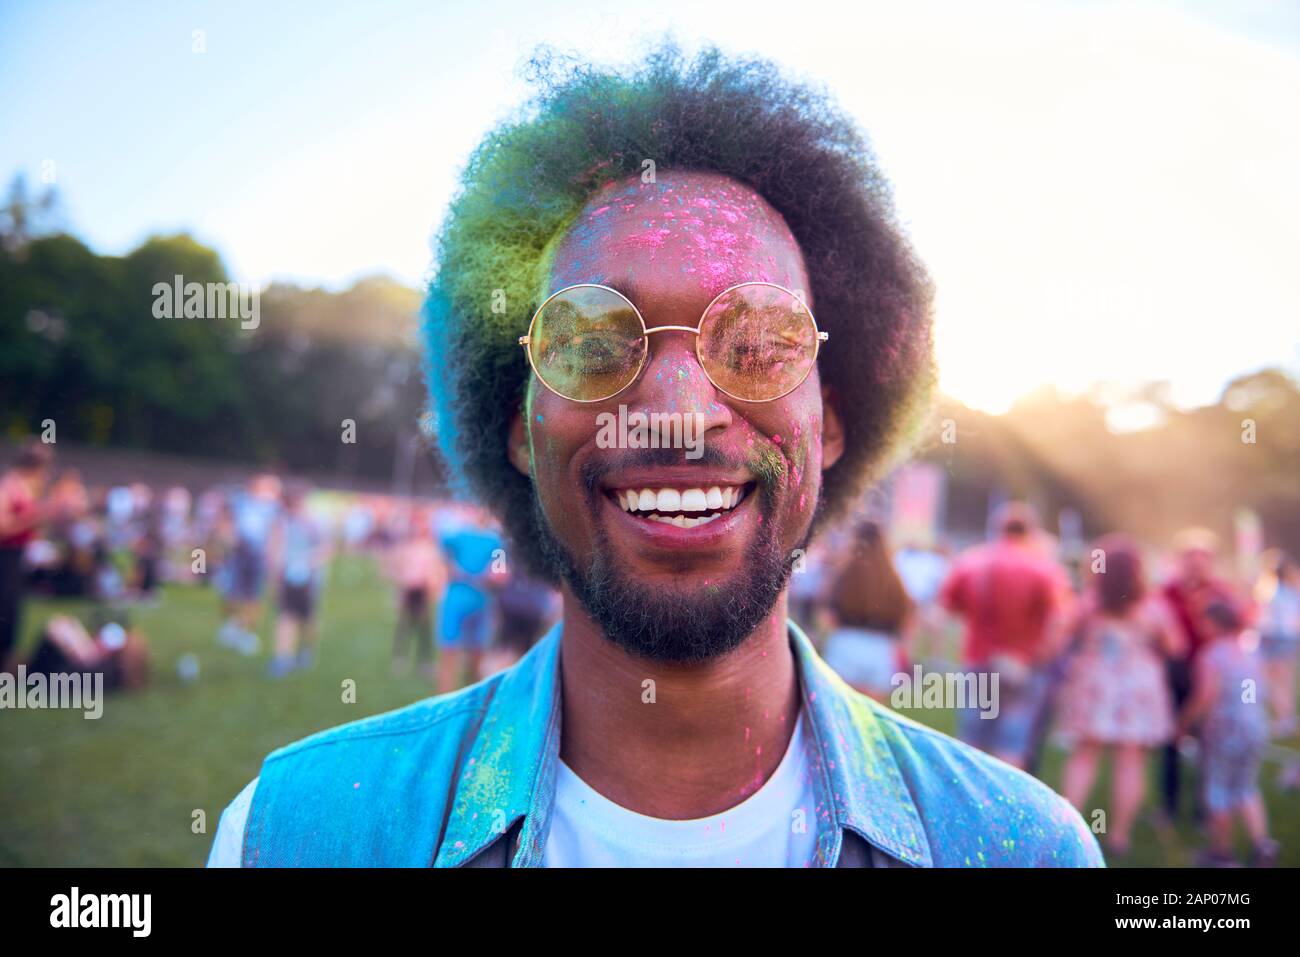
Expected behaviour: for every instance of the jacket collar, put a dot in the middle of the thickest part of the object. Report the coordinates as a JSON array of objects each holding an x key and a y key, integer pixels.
[
  {"x": 511, "y": 762},
  {"x": 860, "y": 786},
  {"x": 509, "y": 772}
]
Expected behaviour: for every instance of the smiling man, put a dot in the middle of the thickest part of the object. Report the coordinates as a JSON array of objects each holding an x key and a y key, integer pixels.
[{"x": 697, "y": 237}]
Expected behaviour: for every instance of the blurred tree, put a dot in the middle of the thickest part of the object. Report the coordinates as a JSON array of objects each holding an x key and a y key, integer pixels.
[
  {"x": 1188, "y": 467},
  {"x": 23, "y": 218},
  {"x": 79, "y": 343}
]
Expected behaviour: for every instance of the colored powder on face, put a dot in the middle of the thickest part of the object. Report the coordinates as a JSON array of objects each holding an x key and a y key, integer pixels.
[
  {"x": 768, "y": 467},
  {"x": 650, "y": 239},
  {"x": 716, "y": 271}
]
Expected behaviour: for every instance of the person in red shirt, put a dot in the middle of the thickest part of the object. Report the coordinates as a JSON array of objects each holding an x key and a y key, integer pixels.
[
  {"x": 20, "y": 516},
  {"x": 1013, "y": 598},
  {"x": 1193, "y": 589}
]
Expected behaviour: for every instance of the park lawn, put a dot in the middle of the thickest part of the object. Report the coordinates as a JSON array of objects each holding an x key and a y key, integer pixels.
[{"x": 122, "y": 790}]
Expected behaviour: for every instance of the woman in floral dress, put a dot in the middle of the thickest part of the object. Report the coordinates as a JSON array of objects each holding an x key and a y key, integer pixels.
[{"x": 1115, "y": 698}]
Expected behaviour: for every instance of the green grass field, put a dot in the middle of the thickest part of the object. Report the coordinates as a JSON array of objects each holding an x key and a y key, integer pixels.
[{"x": 122, "y": 790}]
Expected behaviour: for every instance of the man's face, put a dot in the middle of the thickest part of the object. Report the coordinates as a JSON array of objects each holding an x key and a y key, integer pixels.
[{"x": 660, "y": 589}]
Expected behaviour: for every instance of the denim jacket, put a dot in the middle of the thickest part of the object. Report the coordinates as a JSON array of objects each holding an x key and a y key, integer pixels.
[{"x": 469, "y": 779}]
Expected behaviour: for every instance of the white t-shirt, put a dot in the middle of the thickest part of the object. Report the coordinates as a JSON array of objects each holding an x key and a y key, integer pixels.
[
  {"x": 228, "y": 845},
  {"x": 773, "y": 827}
]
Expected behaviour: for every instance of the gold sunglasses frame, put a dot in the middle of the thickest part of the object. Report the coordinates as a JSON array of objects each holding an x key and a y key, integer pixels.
[{"x": 818, "y": 338}]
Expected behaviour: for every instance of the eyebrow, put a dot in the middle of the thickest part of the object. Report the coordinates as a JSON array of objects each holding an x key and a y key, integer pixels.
[
  {"x": 634, "y": 292},
  {"x": 628, "y": 287}
]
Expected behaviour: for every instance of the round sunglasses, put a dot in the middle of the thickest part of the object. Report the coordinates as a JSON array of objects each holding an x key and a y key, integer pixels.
[{"x": 755, "y": 341}]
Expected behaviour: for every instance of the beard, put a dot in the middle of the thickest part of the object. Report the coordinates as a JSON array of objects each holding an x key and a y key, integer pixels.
[{"x": 667, "y": 626}]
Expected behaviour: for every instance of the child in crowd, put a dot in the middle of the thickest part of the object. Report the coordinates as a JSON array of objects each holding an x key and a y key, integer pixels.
[
  {"x": 417, "y": 566},
  {"x": 1227, "y": 697}
]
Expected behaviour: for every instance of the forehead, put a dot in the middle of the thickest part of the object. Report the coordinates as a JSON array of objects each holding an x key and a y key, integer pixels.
[{"x": 688, "y": 235}]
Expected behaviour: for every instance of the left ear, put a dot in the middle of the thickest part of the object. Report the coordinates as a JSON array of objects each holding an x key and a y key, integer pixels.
[
  {"x": 517, "y": 444},
  {"x": 832, "y": 429}
]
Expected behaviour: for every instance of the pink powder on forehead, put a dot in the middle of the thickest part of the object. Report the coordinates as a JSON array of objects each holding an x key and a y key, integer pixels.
[
  {"x": 649, "y": 239},
  {"x": 716, "y": 270},
  {"x": 603, "y": 209}
]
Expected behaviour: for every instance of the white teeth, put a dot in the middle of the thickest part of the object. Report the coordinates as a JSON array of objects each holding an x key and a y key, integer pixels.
[
  {"x": 679, "y": 500},
  {"x": 683, "y": 521},
  {"x": 694, "y": 500},
  {"x": 669, "y": 500}
]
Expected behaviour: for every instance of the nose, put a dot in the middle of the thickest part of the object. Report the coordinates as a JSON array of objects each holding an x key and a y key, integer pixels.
[{"x": 674, "y": 381}]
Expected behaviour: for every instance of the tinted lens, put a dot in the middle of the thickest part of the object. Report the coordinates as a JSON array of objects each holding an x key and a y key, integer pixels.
[
  {"x": 757, "y": 342},
  {"x": 587, "y": 343}
]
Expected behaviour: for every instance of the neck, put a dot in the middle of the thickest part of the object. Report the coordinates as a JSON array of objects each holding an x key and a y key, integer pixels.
[{"x": 697, "y": 741}]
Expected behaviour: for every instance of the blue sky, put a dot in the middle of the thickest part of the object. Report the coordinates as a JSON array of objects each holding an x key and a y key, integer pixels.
[{"x": 1102, "y": 191}]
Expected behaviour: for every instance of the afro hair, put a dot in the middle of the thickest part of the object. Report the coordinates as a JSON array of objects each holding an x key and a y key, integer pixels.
[{"x": 588, "y": 126}]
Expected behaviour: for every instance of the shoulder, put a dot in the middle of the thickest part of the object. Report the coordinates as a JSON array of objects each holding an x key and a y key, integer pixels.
[
  {"x": 371, "y": 791},
  {"x": 978, "y": 811},
  {"x": 443, "y": 713},
  {"x": 960, "y": 570},
  {"x": 973, "y": 558}
]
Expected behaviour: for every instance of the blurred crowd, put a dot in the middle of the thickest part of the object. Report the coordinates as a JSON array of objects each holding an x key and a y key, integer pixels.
[
  {"x": 1093, "y": 651},
  {"x": 265, "y": 546}
]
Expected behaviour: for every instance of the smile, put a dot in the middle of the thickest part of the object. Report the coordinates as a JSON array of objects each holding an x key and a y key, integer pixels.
[{"x": 682, "y": 507}]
